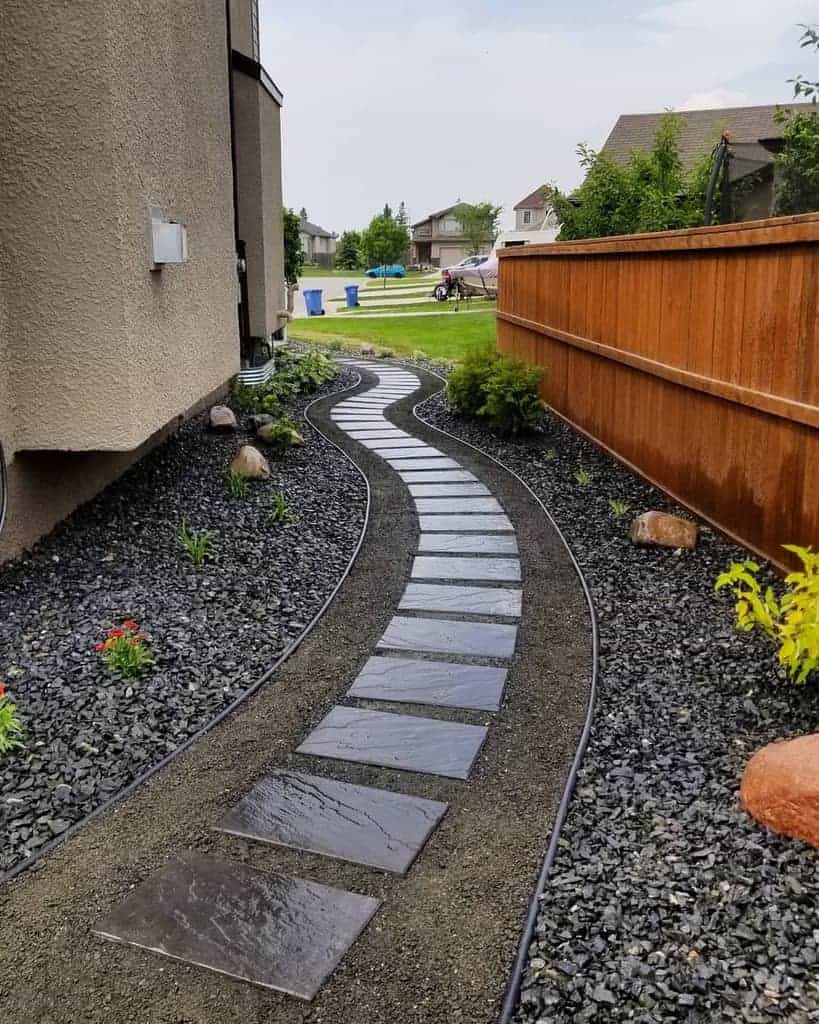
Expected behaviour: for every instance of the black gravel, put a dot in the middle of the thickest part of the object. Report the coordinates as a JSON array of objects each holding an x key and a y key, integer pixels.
[
  {"x": 213, "y": 629},
  {"x": 666, "y": 903}
]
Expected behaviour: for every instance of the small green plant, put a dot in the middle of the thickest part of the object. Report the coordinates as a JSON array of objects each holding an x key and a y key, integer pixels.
[
  {"x": 792, "y": 621},
  {"x": 195, "y": 543},
  {"x": 419, "y": 356},
  {"x": 583, "y": 476},
  {"x": 335, "y": 345},
  {"x": 237, "y": 484},
  {"x": 386, "y": 353},
  {"x": 281, "y": 434},
  {"x": 11, "y": 729},
  {"x": 280, "y": 510},
  {"x": 124, "y": 650},
  {"x": 467, "y": 381},
  {"x": 618, "y": 508},
  {"x": 549, "y": 454}
]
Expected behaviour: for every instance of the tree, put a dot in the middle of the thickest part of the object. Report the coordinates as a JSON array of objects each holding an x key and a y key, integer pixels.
[
  {"x": 384, "y": 241},
  {"x": 479, "y": 224},
  {"x": 797, "y": 165},
  {"x": 401, "y": 216},
  {"x": 650, "y": 192},
  {"x": 293, "y": 252},
  {"x": 387, "y": 211},
  {"x": 348, "y": 253}
]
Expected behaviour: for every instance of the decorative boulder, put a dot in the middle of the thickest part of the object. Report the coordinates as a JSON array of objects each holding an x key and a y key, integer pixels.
[
  {"x": 661, "y": 529},
  {"x": 367, "y": 350},
  {"x": 222, "y": 419},
  {"x": 279, "y": 435},
  {"x": 260, "y": 419},
  {"x": 250, "y": 463},
  {"x": 780, "y": 787}
]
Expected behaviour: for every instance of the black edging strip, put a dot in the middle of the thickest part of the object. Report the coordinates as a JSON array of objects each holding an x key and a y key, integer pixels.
[
  {"x": 132, "y": 786},
  {"x": 513, "y": 988}
]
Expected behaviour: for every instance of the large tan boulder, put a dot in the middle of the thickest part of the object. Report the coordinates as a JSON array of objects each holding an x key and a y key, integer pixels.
[
  {"x": 659, "y": 528},
  {"x": 780, "y": 787},
  {"x": 250, "y": 463}
]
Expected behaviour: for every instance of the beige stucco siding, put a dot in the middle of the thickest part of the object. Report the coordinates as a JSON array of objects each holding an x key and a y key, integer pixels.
[
  {"x": 117, "y": 108},
  {"x": 258, "y": 170},
  {"x": 241, "y": 26}
]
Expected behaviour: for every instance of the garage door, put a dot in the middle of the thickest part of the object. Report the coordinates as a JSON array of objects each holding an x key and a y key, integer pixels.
[{"x": 451, "y": 254}]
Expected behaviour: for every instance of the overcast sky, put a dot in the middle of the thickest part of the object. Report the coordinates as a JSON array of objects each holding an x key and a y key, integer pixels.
[{"x": 390, "y": 100}]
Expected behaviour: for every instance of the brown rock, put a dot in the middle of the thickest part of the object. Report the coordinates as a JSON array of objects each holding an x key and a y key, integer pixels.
[
  {"x": 659, "y": 528},
  {"x": 780, "y": 787},
  {"x": 222, "y": 419},
  {"x": 250, "y": 463}
]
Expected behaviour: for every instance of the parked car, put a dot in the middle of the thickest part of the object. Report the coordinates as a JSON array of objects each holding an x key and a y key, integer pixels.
[
  {"x": 393, "y": 270},
  {"x": 481, "y": 279},
  {"x": 451, "y": 275}
]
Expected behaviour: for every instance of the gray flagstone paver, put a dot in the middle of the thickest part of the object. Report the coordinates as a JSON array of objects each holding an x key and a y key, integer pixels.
[{"x": 437, "y": 683}]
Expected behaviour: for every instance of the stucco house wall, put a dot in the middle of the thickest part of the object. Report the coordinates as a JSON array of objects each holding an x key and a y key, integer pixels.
[{"x": 118, "y": 108}]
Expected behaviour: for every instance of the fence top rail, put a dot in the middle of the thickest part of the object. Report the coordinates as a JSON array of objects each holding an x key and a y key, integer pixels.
[{"x": 794, "y": 230}]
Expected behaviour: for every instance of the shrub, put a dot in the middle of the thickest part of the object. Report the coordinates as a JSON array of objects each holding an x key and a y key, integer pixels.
[
  {"x": 618, "y": 508},
  {"x": 792, "y": 621},
  {"x": 124, "y": 650},
  {"x": 497, "y": 388},
  {"x": 468, "y": 380},
  {"x": 237, "y": 484},
  {"x": 386, "y": 353},
  {"x": 305, "y": 373},
  {"x": 419, "y": 356},
  {"x": 511, "y": 402},
  {"x": 195, "y": 543},
  {"x": 11, "y": 729}
]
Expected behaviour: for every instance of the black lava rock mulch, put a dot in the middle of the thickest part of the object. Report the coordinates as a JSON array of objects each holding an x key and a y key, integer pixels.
[
  {"x": 666, "y": 903},
  {"x": 213, "y": 629}
]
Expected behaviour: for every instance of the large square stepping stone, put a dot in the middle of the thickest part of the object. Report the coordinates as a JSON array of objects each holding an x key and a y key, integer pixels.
[
  {"x": 469, "y": 543},
  {"x": 422, "y": 452},
  {"x": 456, "y": 523},
  {"x": 437, "y": 476},
  {"x": 436, "y": 597},
  {"x": 438, "y": 683},
  {"x": 441, "y": 636},
  {"x": 448, "y": 490},
  {"x": 433, "y": 567},
  {"x": 424, "y": 464},
  {"x": 458, "y": 504},
  {"x": 378, "y": 432},
  {"x": 387, "y": 443},
  {"x": 396, "y": 741},
  {"x": 277, "y": 932},
  {"x": 337, "y": 819}
]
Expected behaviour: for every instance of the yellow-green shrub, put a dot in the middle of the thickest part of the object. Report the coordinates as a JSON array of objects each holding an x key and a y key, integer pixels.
[{"x": 790, "y": 621}]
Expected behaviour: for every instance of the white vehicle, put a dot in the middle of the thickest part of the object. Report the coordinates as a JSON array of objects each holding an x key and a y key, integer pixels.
[{"x": 481, "y": 279}]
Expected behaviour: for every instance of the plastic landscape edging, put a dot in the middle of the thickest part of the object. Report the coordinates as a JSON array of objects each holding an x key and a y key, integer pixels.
[
  {"x": 134, "y": 784},
  {"x": 513, "y": 987}
]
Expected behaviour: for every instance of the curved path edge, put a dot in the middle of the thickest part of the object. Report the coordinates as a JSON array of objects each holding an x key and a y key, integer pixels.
[
  {"x": 238, "y": 701},
  {"x": 513, "y": 988}
]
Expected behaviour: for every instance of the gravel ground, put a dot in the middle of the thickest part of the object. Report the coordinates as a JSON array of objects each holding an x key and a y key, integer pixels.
[
  {"x": 666, "y": 902},
  {"x": 213, "y": 629}
]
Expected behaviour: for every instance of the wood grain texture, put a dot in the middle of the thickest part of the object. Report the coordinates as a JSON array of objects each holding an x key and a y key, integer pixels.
[{"x": 693, "y": 356}]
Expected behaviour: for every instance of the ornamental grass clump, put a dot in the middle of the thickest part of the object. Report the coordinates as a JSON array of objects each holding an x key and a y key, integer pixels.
[
  {"x": 11, "y": 728},
  {"x": 125, "y": 650},
  {"x": 791, "y": 621},
  {"x": 195, "y": 543}
]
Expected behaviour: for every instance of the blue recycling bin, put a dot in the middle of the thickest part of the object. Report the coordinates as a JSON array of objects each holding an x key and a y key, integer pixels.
[
  {"x": 351, "y": 291},
  {"x": 312, "y": 302}
]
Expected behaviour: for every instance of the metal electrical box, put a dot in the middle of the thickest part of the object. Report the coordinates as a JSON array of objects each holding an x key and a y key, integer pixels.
[{"x": 169, "y": 241}]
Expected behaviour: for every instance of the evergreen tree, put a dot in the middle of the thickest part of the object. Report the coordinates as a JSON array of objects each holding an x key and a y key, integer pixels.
[
  {"x": 348, "y": 253},
  {"x": 293, "y": 252}
]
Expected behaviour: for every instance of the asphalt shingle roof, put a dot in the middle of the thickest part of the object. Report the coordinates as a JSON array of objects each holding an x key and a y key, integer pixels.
[
  {"x": 534, "y": 201},
  {"x": 701, "y": 129},
  {"x": 313, "y": 229}
]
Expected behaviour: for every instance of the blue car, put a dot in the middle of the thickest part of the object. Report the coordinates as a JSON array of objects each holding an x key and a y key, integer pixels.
[{"x": 393, "y": 270}]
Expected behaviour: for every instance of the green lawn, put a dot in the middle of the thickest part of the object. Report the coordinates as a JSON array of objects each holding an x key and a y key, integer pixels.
[
  {"x": 315, "y": 271},
  {"x": 446, "y": 337},
  {"x": 372, "y": 298},
  {"x": 430, "y": 306},
  {"x": 402, "y": 282}
]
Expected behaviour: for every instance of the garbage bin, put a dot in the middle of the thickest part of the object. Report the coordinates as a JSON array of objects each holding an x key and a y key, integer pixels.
[
  {"x": 312, "y": 302},
  {"x": 351, "y": 290}
]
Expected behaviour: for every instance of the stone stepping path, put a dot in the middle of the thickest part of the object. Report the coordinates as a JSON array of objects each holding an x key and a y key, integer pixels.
[{"x": 448, "y": 647}]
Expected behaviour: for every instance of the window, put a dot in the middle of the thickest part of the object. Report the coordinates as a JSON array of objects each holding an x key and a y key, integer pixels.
[
  {"x": 527, "y": 216},
  {"x": 450, "y": 226}
]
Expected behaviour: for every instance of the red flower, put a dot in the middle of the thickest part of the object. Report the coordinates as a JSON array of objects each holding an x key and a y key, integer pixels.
[
  {"x": 99, "y": 647},
  {"x": 114, "y": 633},
  {"x": 2, "y": 691},
  {"x": 131, "y": 625}
]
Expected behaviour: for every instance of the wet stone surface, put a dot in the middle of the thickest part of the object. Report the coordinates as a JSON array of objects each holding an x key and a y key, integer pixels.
[
  {"x": 407, "y": 742},
  {"x": 356, "y": 823},
  {"x": 439, "y": 636},
  {"x": 438, "y": 683},
  {"x": 463, "y": 600},
  {"x": 281, "y": 933}
]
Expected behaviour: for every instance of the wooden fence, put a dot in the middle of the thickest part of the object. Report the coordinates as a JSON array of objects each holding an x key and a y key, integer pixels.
[{"x": 693, "y": 356}]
